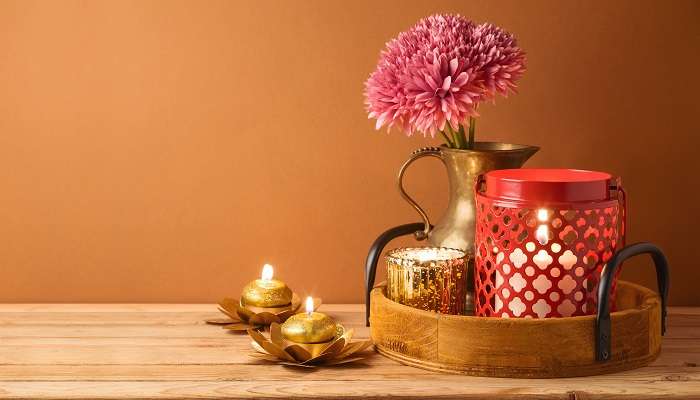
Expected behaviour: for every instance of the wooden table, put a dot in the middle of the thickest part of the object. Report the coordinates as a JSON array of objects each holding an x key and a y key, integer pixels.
[{"x": 166, "y": 351}]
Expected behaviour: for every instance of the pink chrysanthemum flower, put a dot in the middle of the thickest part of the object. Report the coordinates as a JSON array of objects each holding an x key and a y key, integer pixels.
[{"x": 438, "y": 71}]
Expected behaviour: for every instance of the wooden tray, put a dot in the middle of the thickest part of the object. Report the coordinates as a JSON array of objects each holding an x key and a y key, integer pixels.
[{"x": 518, "y": 348}]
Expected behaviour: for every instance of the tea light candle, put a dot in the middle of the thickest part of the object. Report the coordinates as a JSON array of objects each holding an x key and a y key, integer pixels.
[
  {"x": 542, "y": 232},
  {"x": 309, "y": 327},
  {"x": 266, "y": 292}
]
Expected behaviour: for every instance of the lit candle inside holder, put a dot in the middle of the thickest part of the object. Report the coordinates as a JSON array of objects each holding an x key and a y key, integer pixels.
[
  {"x": 266, "y": 292},
  {"x": 309, "y": 327},
  {"x": 542, "y": 232}
]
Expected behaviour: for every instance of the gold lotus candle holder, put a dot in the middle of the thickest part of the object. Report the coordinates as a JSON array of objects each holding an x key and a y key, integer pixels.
[
  {"x": 308, "y": 339},
  {"x": 428, "y": 278},
  {"x": 263, "y": 301}
]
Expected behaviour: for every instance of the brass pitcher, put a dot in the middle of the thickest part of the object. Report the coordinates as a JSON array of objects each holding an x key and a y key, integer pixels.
[{"x": 456, "y": 228}]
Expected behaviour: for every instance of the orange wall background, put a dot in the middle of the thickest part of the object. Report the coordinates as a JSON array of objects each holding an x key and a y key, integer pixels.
[{"x": 163, "y": 151}]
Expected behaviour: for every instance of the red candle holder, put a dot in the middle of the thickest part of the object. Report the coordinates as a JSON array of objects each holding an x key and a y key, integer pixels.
[{"x": 543, "y": 237}]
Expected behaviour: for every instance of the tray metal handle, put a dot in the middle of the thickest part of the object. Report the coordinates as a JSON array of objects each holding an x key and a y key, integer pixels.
[
  {"x": 603, "y": 325},
  {"x": 376, "y": 251}
]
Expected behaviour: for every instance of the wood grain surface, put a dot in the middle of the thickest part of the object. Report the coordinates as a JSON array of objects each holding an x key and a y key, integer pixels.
[
  {"x": 518, "y": 347},
  {"x": 55, "y": 351}
]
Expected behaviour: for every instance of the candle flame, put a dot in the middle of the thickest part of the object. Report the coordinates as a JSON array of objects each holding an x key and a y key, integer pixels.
[
  {"x": 309, "y": 305},
  {"x": 542, "y": 215},
  {"x": 267, "y": 272},
  {"x": 542, "y": 234}
]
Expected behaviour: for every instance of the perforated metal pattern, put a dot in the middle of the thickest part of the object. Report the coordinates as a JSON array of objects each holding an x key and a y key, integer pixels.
[{"x": 541, "y": 263}]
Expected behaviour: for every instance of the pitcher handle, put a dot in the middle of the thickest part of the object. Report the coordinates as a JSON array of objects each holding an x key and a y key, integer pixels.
[{"x": 420, "y": 153}]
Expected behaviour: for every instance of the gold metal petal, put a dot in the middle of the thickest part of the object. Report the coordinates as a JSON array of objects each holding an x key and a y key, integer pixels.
[
  {"x": 220, "y": 321},
  {"x": 234, "y": 316},
  {"x": 276, "y": 334},
  {"x": 277, "y": 351},
  {"x": 321, "y": 358},
  {"x": 355, "y": 347},
  {"x": 257, "y": 337},
  {"x": 239, "y": 327},
  {"x": 259, "y": 349},
  {"x": 315, "y": 349},
  {"x": 348, "y": 335},
  {"x": 339, "y": 330},
  {"x": 254, "y": 319},
  {"x": 271, "y": 310},
  {"x": 283, "y": 316},
  {"x": 244, "y": 313},
  {"x": 229, "y": 307},
  {"x": 343, "y": 361},
  {"x": 265, "y": 357},
  {"x": 298, "y": 365},
  {"x": 266, "y": 318},
  {"x": 268, "y": 346},
  {"x": 299, "y": 353},
  {"x": 335, "y": 347},
  {"x": 349, "y": 349}
]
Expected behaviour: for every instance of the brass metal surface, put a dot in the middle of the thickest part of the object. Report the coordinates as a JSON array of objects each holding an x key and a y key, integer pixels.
[
  {"x": 266, "y": 293},
  {"x": 312, "y": 327},
  {"x": 456, "y": 227}
]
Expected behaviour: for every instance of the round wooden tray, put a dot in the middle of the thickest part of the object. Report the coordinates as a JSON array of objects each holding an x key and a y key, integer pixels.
[{"x": 518, "y": 347}]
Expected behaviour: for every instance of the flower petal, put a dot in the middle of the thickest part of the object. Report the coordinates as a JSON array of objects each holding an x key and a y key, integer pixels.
[{"x": 446, "y": 82}]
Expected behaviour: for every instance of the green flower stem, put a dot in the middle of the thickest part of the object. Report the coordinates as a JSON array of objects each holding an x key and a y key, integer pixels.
[
  {"x": 458, "y": 139},
  {"x": 455, "y": 138},
  {"x": 472, "y": 129},
  {"x": 462, "y": 138},
  {"x": 449, "y": 142}
]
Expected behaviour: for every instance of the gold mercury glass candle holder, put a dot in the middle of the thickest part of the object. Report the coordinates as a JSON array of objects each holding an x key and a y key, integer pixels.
[{"x": 428, "y": 278}]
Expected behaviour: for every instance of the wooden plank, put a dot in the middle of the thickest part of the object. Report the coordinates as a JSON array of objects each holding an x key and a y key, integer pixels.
[
  {"x": 134, "y": 318},
  {"x": 102, "y": 307},
  {"x": 142, "y": 308},
  {"x": 231, "y": 350},
  {"x": 156, "y": 351},
  {"x": 206, "y": 331},
  {"x": 373, "y": 369},
  {"x": 439, "y": 386},
  {"x": 166, "y": 352}
]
